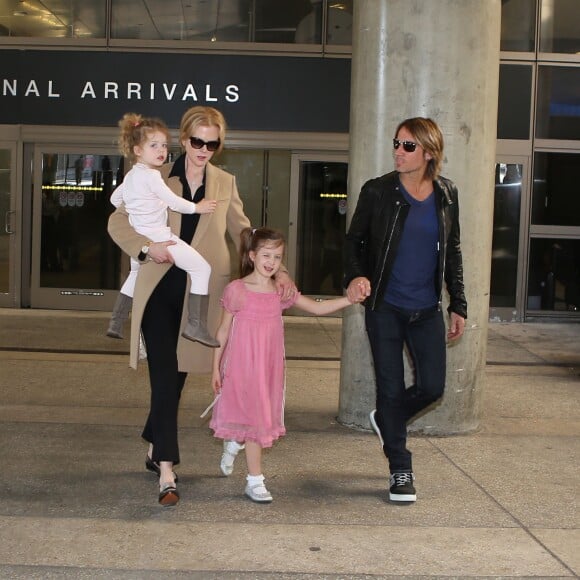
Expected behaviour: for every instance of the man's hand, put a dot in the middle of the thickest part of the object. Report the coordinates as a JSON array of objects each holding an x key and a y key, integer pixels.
[
  {"x": 159, "y": 253},
  {"x": 456, "y": 326},
  {"x": 358, "y": 290},
  {"x": 285, "y": 285}
]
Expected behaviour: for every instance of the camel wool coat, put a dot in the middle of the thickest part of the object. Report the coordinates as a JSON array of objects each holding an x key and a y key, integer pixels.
[{"x": 209, "y": 240}]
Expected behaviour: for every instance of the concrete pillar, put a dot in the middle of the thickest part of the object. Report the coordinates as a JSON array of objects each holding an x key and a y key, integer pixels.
[{"x": 438, "y": 59}]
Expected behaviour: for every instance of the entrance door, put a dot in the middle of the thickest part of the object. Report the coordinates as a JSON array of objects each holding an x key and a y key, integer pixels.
[
  {"x": 9, "y": 234},
  {"x": 318, "y": 223},
  {"x": 507, "y": 292},
  {"x": 75, "y": 265}
]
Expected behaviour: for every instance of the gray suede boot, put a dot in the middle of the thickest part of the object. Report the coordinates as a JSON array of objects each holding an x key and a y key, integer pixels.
[
  {"x": 196, "y": 328},
  {"x": 119, "y": 316}
]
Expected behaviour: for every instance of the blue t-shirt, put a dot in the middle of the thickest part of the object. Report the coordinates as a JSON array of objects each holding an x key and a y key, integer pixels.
[{"x": 412, "y": 282}]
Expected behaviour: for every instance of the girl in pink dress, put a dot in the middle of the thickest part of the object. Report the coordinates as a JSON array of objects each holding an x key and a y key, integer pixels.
[{"x": 248, "y": 366}]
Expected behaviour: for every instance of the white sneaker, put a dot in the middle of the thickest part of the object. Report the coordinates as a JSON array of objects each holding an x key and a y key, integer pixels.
[
  {"x": 258, "y": 493},
  {"x": 373, "y": 418},
  {"x": 142, "y": 349},
  {"x": 231, "y": 450}
]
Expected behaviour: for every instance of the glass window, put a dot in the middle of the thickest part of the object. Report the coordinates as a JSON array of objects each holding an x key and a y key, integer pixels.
[
  {"x": 554, "y": 275},
  {"x": 514, "y": 102},
  {"x": 339, "y": 23},
  {"x": 506, "y": 231},
  {"x": 41, "y": 19},
  {"x": 277, "y": 21},
  {"x": 225, "y": 21},
  {"x": 518, "y": 22},
  {"x": 554, "y": 197},
  {"x": 76, "y": 251},
  {"x": 558, "y": 108},
  {"x": 322, "y": 226},
  {"x": 560, "y": 26}
]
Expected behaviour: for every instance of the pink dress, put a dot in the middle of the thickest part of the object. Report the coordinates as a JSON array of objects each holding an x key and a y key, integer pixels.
[{"x": 251, "y": 406}]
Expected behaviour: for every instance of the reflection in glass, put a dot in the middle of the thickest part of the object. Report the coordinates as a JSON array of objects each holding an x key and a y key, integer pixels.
[
  {"x": 274, "y": 21},
  {"x": 76, "y": 251},
  {"x": 518, "y": 23},
  {"x": 554, "y": 198},
  {"x": 322, "y": 227},
  {"x": 560, "y": 26},
  {"x": 558, "y": 107},
  {"x": 554, "y": 275},
  {"x": 506, "y": 229},
  {"x": 263, "y": 180},
  {"x": 339, "y": 23},
  {"x": 515, "y": 101},
  {"x": 5, "y": 199},
  {"x": 43, "y": 19}
]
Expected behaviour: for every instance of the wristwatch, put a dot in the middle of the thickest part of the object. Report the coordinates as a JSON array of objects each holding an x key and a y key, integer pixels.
[{"x": 142, "y": 256}]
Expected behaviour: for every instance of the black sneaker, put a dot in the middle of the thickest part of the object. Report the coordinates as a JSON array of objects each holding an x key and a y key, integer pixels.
[{"x": 402, "y": 488}]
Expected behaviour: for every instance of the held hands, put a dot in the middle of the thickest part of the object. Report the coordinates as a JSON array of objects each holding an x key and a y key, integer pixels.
[
  {"x": 158, "y": 252},
  {"x": 285, "y": 285},
  {"x": 205, "y": 206},
  {"x": 456, "y": 326},
  {"x": 358, "y": 290}
]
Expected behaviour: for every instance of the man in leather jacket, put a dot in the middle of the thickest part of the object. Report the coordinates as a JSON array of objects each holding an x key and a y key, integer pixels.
[{"x": 403, "y": 242}]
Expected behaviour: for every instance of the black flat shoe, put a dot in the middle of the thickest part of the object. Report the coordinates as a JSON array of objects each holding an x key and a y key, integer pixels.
[
  {"x": 153, "y": 467},
  {"x": 168, "y": 496}
]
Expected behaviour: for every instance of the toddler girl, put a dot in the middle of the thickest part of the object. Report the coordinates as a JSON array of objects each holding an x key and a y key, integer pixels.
[{"x": 146, "y": 198}]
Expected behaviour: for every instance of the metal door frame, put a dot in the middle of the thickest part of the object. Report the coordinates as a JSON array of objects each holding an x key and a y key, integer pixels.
[{"x": 12, "y": 220}]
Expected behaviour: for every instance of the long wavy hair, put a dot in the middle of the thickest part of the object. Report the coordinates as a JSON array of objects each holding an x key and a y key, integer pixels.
[{"x": 252, "y": 240}]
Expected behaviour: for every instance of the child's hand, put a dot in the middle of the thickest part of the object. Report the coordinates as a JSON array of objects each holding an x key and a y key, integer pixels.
[
  {"x": 205, "y": 206},
  {"x": 216, "y": 383}
]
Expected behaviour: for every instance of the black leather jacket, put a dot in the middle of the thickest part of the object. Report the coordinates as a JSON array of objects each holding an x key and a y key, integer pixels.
[{"x": 375, "y": 231}]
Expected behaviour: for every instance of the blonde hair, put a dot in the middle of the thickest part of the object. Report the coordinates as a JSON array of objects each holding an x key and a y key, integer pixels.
[
  {"x": 428, "y": 135},
  {"x": 135, "y": 129},
  {"x": 202, "y": 117},
  {"x": 252, "y": 240}
]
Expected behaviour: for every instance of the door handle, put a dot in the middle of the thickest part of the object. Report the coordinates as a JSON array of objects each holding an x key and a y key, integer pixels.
[{"x": 7, "y": 221}]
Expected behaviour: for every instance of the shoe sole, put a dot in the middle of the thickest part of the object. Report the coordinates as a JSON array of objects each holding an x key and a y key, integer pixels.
[
  {"x": 256, "y": 500},
  {"x": 112, "y": 334},
  {"x": 376, "y": 427},
  {"x": 409, "y": 498},
  {"x": 200, "y": 340},
  {"x": 169, "y": 499}
]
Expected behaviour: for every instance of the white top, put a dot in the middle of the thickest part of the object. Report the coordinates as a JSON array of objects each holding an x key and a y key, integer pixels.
[{"x": 146, "y": 198}]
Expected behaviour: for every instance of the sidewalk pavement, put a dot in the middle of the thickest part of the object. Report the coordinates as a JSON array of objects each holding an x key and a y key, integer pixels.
[{"x": 76, "y": 501}]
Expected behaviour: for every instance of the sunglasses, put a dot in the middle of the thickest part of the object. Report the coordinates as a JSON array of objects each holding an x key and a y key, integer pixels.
[
  {"x": 408, "y": 146},
  {"x": 197, "y": 143}
]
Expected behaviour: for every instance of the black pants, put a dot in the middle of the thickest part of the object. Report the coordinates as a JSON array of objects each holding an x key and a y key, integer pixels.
[
  {"x": 160, "y": 326},
  {"x": 423, "y": 332}
]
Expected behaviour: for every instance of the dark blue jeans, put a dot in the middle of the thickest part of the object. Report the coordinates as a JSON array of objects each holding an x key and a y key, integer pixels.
[{"x": 423, "y": 331}]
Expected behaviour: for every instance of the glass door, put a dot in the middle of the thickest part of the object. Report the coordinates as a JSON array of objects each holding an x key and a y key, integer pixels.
[
  {"x": 75, "y": 265},
  {"x": 507, "y": 288},
  {"x": 9, "y": 234},
  {"x": 318, "y": 223}
]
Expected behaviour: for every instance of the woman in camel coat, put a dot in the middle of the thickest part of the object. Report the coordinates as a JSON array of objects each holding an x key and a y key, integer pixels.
[{"x": 161, "y": 288}]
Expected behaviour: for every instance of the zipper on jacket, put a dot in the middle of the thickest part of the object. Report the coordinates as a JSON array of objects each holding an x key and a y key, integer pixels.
[{"x": 395, "y": 219}]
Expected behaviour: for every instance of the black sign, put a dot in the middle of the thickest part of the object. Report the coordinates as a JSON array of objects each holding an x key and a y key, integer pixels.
[{"x": 260, "y": 93}]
